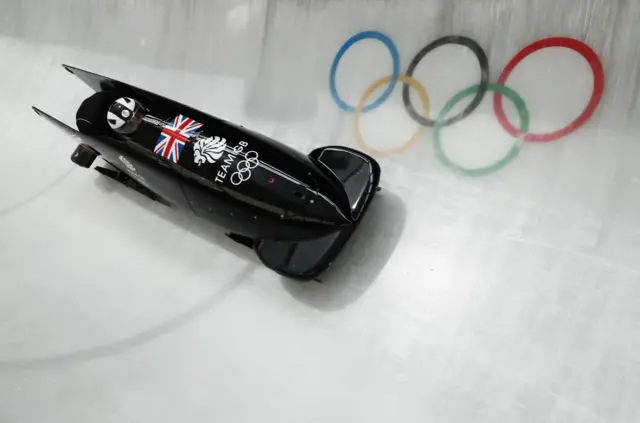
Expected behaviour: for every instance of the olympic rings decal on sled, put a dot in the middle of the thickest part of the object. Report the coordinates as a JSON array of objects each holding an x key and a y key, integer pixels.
[
  {"x": 478, "y": 91},
  {"x": 244, "y": 168}
]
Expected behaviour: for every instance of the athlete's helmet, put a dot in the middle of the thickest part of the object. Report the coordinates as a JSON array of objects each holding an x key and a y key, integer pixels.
[{"x": 125, "y": 114}]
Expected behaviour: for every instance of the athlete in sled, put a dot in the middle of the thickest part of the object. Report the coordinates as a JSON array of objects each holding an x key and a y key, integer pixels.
[{"x": 296, "y": 211}]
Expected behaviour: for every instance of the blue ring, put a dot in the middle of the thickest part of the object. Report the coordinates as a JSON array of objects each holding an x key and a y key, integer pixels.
[{"x": 396, "y": 69}]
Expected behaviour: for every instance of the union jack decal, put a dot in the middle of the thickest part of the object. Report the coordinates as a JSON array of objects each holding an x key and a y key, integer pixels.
[{"x": 174, "y": 136}]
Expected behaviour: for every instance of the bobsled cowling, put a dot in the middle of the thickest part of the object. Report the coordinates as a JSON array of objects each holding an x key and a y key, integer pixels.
[{"x": 295, "y": 210}]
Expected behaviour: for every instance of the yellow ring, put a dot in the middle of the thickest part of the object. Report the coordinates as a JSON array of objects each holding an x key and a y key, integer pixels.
[{"x": 416, "y": 85}]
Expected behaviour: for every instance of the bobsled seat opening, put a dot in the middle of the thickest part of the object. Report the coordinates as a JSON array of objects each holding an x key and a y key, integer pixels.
[
  {"x": 91, "y": 116},
  {"x": 358, "y": 174}
]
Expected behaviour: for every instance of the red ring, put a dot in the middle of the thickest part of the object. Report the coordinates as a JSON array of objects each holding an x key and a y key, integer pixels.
[{"x": 598, "y": 87}]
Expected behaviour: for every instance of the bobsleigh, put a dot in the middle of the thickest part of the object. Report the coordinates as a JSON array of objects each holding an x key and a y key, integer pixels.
[{"x": 295, "y": 210}]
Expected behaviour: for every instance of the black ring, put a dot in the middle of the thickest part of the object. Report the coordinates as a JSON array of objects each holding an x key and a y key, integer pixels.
[{"x": 484, "y": 78}]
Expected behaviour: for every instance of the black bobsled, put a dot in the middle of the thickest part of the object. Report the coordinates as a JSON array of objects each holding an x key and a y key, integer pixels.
[{"x": 296, "y": 211}]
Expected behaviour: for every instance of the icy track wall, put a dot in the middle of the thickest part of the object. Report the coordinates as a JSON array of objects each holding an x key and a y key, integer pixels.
[
  {"x": 271, "y": 44},
  {"x": 268, "y": 45}
]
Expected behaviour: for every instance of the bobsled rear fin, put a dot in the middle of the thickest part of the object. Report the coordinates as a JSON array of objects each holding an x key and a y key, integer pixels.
[
  {"x": 162, "y": 106},
  {"x": 141, "y": 174},
  {"x": 81, "y": 138},
  {"x": 358, "y": 174},
  {"x": 93, "y": 80}
]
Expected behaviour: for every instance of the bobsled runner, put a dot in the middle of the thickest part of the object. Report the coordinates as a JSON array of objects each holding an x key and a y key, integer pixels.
[{"x": 295, "y": 210}]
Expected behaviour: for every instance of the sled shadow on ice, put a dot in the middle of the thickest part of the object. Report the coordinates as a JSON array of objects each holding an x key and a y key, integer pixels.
[{"x": 362, "y": 259}]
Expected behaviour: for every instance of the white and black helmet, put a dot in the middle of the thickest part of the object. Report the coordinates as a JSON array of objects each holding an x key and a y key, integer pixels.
[{"x": 125, "y": 114}]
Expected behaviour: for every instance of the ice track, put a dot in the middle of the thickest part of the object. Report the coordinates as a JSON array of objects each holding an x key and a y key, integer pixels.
[{"x": 507, "y": 296}]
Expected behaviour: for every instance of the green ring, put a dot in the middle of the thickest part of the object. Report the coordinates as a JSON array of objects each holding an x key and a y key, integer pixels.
[{"x": 524, "y": 127}]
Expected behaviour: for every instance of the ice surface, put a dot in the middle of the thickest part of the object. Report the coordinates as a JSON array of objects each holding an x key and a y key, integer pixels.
[{"x": 510, "y": 297}]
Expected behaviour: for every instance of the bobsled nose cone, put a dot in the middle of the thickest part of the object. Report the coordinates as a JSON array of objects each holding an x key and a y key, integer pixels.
[{"x": 321, "y": 208}]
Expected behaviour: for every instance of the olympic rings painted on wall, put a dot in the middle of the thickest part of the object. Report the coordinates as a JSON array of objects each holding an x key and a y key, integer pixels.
[
  {"x": 479, "y": 94},
  {"x": 523, "y": 113},
  {"x": 424, "y": 98},
  {"x": 479, "y": 91},
  {"x": 351, "y": 41},
  {"x": 598, "y": 86}
]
